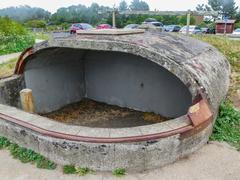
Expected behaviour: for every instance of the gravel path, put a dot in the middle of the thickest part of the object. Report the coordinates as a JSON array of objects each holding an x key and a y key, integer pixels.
[
  {"x": 8, "y": 57},
  {"x": 215, "y": 161}
]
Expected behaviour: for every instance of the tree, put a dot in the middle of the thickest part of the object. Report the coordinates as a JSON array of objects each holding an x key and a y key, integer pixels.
[
  {"x": 137, "y": 5},
  {"x": 224, "y": 7},
  {"x": 229, "y": 8},
  {"x": 25, "y": 13},
  {"x": 123, "y": 6},
  {"x": 203, "y": 7},
  {"x": 36, "y": 24}
]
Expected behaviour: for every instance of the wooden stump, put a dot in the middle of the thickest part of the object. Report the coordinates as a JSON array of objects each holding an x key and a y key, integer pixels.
[{"x": 27, "y": 100}]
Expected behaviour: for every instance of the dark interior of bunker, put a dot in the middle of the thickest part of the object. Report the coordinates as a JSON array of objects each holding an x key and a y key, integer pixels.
[{"x": 103, "y": 88}]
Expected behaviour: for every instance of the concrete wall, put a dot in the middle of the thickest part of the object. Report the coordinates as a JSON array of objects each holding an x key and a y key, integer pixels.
[
  {"x": 56, "y": 78},
  {"x": 130, "y": 81},
  {"x": 9, "y": 90},
  {"x": 63, "y": 76}
]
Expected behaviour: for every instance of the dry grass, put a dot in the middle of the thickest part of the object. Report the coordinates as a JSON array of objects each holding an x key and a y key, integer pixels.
[
  {"x": 91, "y": 113},
  {"x": 7, "y": 69},
  {"x": 231, "y": 49}
]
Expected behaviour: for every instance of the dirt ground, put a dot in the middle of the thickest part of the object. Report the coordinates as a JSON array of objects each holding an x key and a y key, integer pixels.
[
  {"x": 95, "y": 114},
  {"x": 215, "y": 161}
]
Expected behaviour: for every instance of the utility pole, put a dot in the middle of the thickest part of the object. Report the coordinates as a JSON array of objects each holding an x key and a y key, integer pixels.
[
  {"x": 188, "y": 21},
  {"x": 114, "y": 17}
]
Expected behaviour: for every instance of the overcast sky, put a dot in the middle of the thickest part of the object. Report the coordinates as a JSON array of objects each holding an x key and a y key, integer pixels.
[{"x": 53, "y": 5}]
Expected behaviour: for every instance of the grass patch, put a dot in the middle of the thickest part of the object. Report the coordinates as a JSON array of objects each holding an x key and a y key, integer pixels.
[
  {"x": 119, "y": 172},
  {"x": 26, "y": 155},
  {"x": 69, "y": 169},
  {"x": 227, "y": 126},
  {"x": 7, "y": 69},
  {"x": 81, "y": 171}
]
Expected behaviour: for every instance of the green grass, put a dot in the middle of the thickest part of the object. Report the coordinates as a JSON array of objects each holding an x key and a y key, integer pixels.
[
  {"x": 227, "y": 126},
  {"x": 69, "y": 169},
  {"x": 81, "y": 171},
  {"x": 119, "y": 172},
  {"x": 26, "y": 155}
]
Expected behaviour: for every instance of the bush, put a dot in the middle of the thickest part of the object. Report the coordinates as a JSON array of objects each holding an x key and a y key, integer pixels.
[
  {"x": 36, "y": 24},
  {"x": 237, "y": 25},
  {"x": 13, "y": 37}
]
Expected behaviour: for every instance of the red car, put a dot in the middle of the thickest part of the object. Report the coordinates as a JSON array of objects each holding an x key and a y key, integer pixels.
[
  {"x": 104, "y": 26},
  {"x": 79, "y": 26}
]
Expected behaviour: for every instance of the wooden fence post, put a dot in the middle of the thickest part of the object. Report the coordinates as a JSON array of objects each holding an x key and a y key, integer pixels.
[{"x": 27, "y": 100}]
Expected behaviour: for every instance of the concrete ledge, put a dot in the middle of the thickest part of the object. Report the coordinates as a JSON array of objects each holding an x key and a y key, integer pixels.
[
  {"x": 50, "y": 125},
  {"x": 134, "y": 156}
]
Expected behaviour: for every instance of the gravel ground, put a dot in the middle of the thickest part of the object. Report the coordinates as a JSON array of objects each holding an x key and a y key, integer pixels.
[{"x": 215, "y": 161}]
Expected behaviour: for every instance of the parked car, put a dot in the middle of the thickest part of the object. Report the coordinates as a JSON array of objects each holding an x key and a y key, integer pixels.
[
  {"x": 172, "y": 28},
  {"x": 205, "y": 30},
  {"x": 153, "y": 22},
  {"x": 236, "y": 32},
  {"x": 79, "y": 26},
  {"x": 104, "y": 26},
  {"x": 132, "y": 26},
  {"x": 192, "y": 30}
]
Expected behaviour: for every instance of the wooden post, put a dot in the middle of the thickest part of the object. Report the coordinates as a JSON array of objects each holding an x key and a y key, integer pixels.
[
  {"x": 114, "y": 18},
  {"x": 27, "y": 100},
  {"x": 188, "y": 21}
]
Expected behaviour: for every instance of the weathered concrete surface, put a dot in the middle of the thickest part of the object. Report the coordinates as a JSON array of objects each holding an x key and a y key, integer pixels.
[
  {"x": 135, "y": 156},
  {"x": 215, "y": 161},
  {"x": 10, "y": 89}
]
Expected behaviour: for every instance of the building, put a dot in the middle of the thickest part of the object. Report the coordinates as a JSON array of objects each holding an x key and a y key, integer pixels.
[{"x": 223, "y": 26}]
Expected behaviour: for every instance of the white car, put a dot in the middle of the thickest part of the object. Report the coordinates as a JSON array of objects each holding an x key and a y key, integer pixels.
[
  {"x": 192, "y": 30},
  {"x": 236, "y": 32}
]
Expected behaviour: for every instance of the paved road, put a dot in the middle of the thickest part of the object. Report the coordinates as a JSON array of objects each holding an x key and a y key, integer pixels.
[
  {"x": 8, "y": 57},
  {"x": 215, "y": 161}
]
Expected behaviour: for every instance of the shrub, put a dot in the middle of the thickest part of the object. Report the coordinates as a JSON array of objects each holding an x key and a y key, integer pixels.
[
  {"x": 119, "y": 172},
  {"x": 36, "y": 24},
  {"x": 69, "y": 169},
  {"x": 13, "y": 37}
]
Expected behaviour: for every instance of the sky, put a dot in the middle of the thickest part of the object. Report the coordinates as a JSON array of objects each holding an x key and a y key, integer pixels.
[{"x": 53, "y": 5}]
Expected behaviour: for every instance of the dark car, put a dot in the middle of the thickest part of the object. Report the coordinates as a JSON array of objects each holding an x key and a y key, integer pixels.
[
  {"x": 153, "y": 22},
  {"x": 79, "y": 26},
  {"x": 208, "y": 30},
  {"x": 172, "y": 28},
  {"x": 131, "y": 26},
  {"x": 104, "y": 26}
]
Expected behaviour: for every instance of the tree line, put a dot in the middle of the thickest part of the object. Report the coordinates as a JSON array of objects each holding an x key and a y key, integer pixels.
[{"x": 96, "y": 14}]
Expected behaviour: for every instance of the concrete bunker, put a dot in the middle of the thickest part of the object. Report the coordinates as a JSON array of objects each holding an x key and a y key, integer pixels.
[{"x": 171, "y": 75}]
